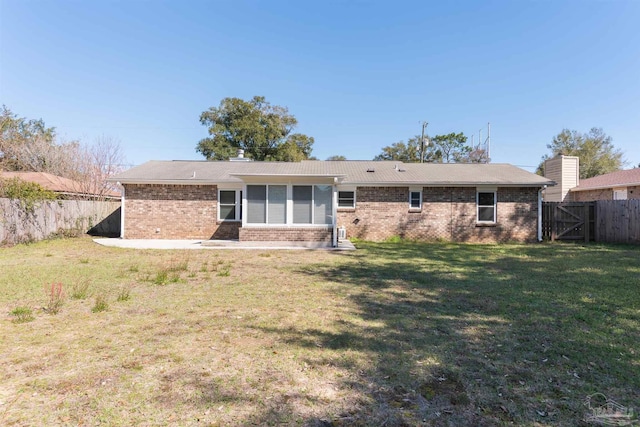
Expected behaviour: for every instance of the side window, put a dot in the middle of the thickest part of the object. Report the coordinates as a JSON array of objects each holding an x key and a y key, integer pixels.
[
  {"x": 229, "y": 205},
  {"x": 486, "y": 206},
  {"x": 415, "y": 199},
  {"x": 346, "y": 199}
]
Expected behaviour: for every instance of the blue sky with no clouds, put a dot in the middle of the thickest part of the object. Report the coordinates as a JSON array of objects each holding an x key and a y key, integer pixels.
[{"x": 358, "y": 75}]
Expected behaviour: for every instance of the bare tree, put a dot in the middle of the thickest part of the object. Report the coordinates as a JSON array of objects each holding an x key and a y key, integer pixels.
[{"x": 29, "y": 146}]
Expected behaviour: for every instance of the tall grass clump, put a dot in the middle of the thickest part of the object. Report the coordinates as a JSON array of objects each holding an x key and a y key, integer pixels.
[
  {"x": 22, "y": 315},
  {"x": 100, "y": 304},
  {"x": 80, "y": 290},
  {"x": 56, "y": 296}
]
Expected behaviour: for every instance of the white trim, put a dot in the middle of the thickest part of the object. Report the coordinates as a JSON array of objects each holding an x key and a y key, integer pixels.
[
  {"x": 334, "y": 214},
  {"x": 122, "y": 214},
  {"x": 238, "y": 203},
  {"x": 495, "y": 206},
  {"x": 342, "y": 190},
  {"x": 540, "y": 213},
  {"x": 415, "y": 190},
  {"x": 289, "y": 206}
]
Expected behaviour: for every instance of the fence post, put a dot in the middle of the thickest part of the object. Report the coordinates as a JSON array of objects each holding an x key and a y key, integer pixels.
[
  {"x": 586, "y": 222},
  {"x": 554, "y": 233}
]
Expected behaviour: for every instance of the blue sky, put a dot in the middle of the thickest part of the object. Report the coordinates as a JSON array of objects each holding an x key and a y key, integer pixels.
[{"x": 358, "y": 75}]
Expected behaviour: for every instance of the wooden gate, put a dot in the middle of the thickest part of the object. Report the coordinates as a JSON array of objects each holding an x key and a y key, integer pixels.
[{"x": 568, "y": 221}]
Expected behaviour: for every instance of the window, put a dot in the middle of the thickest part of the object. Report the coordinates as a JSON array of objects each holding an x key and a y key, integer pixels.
[
  {"x": 415, "y": 199},
  {"x": 486, "y": 202},
  {"x": 620, "y": 194},
  {"x": 312, "y": 204},
  {"x": 322, "y": 204},
  {"x": 302, "y": 195},
  {"x": 229, "y": 205},
  {"x": 257, "y": 204},
  {"x": 266, "y": 204},
  {"x": 346, "y": 199},
  {"x": 277, "y": 204}
]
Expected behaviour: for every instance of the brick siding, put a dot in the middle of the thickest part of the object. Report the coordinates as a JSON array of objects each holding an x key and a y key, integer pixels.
[
  {"x": 285, "y": 234},
  {"x": 173, "y": 212},
  {"x": 448, "y": 213},
  {"x": 633, "y": 192}
]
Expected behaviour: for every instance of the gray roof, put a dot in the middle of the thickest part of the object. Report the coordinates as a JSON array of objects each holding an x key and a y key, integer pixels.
[{"x": 348, "y": 172}]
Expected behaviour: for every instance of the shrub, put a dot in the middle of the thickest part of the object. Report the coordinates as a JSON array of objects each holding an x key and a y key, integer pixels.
[
  {"x": 29, "y": 193},
  {"x": 56, "y": 298},
  {"x": 22, "y": 315}
]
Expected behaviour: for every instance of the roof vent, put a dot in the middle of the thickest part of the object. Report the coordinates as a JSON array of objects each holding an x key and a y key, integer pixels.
[
  {"x": 371, "y": 170},
  {"x": 240, "y": 157}
]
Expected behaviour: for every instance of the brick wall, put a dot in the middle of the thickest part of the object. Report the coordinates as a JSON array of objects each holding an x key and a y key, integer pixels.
[
  {"x": 447, "y": 213},
  {"x": 176, "y": 211},
  {"x": 285, "y": 234},
  {"x": 602, "y": 194}
]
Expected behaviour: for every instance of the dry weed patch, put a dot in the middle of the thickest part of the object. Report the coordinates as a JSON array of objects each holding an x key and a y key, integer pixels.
[{"x": 392, "y": 334}]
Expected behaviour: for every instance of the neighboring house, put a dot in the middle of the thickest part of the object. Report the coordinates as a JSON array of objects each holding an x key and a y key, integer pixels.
[
  {"x": 313, "y": 200},
  {"x": 65, "y": 188},
  {"x": 565, "y": 171},
  {"x": 620, "y": 185}
]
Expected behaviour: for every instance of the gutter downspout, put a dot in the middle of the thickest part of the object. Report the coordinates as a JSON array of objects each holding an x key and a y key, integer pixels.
[
  {"x": 122, "y": 213},
  {"x": 334, "y": 215},
  {"x": 540, "y": 213}
]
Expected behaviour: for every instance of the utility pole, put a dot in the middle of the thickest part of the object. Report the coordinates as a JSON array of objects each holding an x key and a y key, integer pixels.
[
  {"x": 424, "y": 126},
  {"x": 488, "y": 142}
]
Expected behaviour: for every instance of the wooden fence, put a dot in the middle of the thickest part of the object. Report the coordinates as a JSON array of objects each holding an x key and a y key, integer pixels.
[
  {"x": 18, "y": 224},
  {"x": 618, "y": 221},
  {"x": 612, "y": 221}
]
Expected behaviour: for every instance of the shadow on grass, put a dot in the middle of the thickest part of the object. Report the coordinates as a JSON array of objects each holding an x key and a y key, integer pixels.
[
  {"x": 484, "y": 334},
  {"x": 456, "y": 334}
]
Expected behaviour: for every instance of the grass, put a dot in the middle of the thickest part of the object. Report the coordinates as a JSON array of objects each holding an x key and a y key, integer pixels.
[
  {"x": 393, "y": 334},
  {"x": 101, "y": 304},
  {"x": 22, "y": 315}
]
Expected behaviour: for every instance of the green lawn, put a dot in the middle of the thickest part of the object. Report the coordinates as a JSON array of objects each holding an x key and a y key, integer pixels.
[{"x": 392, "y": 334}]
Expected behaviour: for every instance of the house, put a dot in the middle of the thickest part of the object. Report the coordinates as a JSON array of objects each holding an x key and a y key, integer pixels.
[
  {"x": 619, "y": 185},
  {"x": 565, "y": 171},
  {"x": 314, "y": 200},
  {"x": 64, "y": 188}
]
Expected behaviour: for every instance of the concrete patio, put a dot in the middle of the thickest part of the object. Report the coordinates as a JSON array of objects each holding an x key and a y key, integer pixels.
[{"x": 345, "y": 245}]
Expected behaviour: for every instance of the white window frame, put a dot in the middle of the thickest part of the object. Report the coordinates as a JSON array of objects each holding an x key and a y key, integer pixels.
[
  {"x": 347, "y": 190},
  {"x": 266, "y": 212},
  {"x": 289, "y": 206},
  {"x": 419, "y": 191},
  {"x": 620, "y": 193},
  {"x": 238, "y": 204},
  {"x": 494, "y": 206}
]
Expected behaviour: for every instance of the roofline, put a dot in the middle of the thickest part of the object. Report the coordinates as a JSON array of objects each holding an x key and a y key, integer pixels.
[
  {"x": 603, "y": 187},
  {"x": 363, "y": 184},
  {"x": 185, "y": 181},
  {"x": 300, "y": 175}
]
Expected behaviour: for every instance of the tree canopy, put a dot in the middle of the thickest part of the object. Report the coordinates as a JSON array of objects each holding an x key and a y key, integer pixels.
[
  {"x": 594, "y": 149},
  {"x": 28, "y": 145},
  {"x": 336, "y": 157},
  {"x": 449, "y": 148},
  {"x": 262, "y": 130}
]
